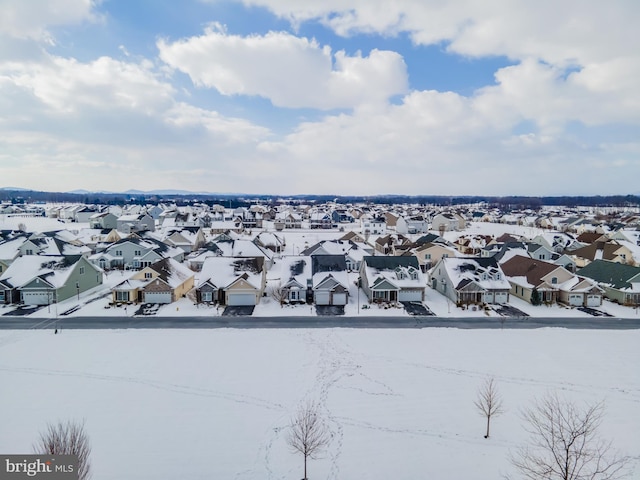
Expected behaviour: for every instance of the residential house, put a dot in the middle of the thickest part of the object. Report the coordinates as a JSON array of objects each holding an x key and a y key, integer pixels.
[
  {"x": 103, "y": 221},
  {"x": 412, "y": 224},
  {"x": 135, "y": 253},
  {"x": 232, "y": 281},
  {"x": 392, "y": 279},
  {"x": 393, "y": 244},
  {"x": 134, "y": 223},
  {"x": 429, "y": 254},
  {"x": 537, "y": 281},
  {"x": 320, "y": 220},
  {"x": 165, "y": 281},
  {"x": 296, "y": 279},
  {"x": 373, "y": 225},
  {"x": 329, "y": 280},
  {"x": 44, "y": 280},
  {"x": 448, "y": 222},
  {"x": 270, "y": 241},
  {"x": 621, "y": 282},
  {"x": 470, "y": 280},
  {"x": 612, "y": 250}
]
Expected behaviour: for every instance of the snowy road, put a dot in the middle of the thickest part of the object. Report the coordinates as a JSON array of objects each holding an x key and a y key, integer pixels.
[{"x": 21, "y": 323}]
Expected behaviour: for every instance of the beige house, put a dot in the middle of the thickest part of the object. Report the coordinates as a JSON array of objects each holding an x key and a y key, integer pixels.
[
  {"x": 430, "y": 254},
  {"x": 613, "y": 251},
  {"x": 162, "y": 282},
  {"x": 552, "y": 283}
]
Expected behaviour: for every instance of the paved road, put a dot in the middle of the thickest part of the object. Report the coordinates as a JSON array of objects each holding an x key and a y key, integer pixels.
[{"x": 21, "y": 323}]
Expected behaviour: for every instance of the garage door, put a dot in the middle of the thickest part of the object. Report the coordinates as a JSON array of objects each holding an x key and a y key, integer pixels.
[
  {"x": 322, "y": 298},
  {"x": 240, "y": 299},
  {"x": 575, "y": 299},
  {"x": 410, "y": 296},
  {"x": 339, "y": 298},
  {"x": 502, "y": 297},
  {"x": 157, "y": 297},
  {"x": 594, "y": 300},
  {"x": 36, "y": 298}
]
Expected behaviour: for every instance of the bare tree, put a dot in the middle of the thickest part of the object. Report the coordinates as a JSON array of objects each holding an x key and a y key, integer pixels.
[
  {"x": 308, "y": 434},
  {"x": 489, "y": 402},
  {"x": 278, "y": 293},
  {"x": 67, "y": 438},
  {"x": 565, "y": 444}
]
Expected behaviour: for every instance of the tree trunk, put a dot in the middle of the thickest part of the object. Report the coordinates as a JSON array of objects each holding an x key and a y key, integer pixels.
[{"x": 488, "y": 421}]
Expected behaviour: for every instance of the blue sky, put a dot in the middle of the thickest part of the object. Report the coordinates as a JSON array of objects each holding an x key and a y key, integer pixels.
[{"x": 336, "y": 97}]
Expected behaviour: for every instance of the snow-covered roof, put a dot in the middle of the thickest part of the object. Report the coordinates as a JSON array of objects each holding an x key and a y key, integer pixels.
[
  {"x": 223, "y": 271},
  {"x": 54, "y": 269},
  {"x": 485, "y": 272}
]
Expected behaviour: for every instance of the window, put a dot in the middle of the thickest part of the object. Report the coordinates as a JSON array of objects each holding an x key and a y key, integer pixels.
[
  {"x": 554, "y": 280},
  {"x": 147, "y": 275},
  {"x": 122, "y": 296},
  {"x": 427, "y": 256},
  {"x": 118, "y": 253},
  {"x": 29, "y": 251},
  {"x": 137, "y": 253},
  {"x": 207, "y": 296},
  {"x": 81, "y": 270}
]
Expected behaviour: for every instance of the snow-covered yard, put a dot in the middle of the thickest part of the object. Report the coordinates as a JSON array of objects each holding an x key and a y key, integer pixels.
[{"x": 193, "y": 404}]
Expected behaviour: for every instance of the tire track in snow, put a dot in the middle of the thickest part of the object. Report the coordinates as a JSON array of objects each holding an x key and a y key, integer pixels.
[
  {"x": 628, "y": 393},
  {"x": 166, "y": 386}
]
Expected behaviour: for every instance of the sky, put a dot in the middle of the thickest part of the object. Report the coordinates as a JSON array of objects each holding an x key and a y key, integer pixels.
[{"x": 344, "y": 97}]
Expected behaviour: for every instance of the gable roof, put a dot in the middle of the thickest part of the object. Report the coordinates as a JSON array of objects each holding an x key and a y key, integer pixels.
[
  {"x": 533, "y": 270},
  {"x": 382, "y": 262},
  {"x": 328, "y": 263},
  {"x": 617, "y": 275},
  {"x": 461, "y": 271}
]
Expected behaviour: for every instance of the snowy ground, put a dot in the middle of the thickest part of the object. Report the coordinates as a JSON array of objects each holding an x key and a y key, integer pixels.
[{"x": 179, "y": 404}]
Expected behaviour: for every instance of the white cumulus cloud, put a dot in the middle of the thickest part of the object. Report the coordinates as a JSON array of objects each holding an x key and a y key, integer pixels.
[{"x": 290, "y": 71}]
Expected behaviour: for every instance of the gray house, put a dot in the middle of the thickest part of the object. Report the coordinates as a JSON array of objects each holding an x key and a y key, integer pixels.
[
  {"x": 392, "y": 279},
  {"x": 103, "y": 221},
  {"x": 43, "y": 280},
  {"x": 621, "y": 283},
  {"x": 136, "y": 223}
]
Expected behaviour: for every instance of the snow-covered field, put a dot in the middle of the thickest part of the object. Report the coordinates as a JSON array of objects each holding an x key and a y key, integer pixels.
[{"x": 215, "y": 404}]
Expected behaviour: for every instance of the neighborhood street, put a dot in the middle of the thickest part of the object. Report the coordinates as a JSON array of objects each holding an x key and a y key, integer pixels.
[{"x": 595, "y": 323}]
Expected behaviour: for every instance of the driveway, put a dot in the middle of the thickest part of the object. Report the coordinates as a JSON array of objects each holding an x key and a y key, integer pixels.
[
  {"x": 147, "y": 309},
  {"x": 505, "y": 310},
  {"x": 329, "y": 310},
  {"x": 238, "y": 311},
  {"x": 24, "y": 310},
  {"x": 417, "y": 309},
  {"x": 593, "y": 312}
]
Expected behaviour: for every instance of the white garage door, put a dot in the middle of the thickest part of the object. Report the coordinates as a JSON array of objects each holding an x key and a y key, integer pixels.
[
  {"x": 36, "y": 298},
  {"x": 339, "y": 298},
  {"x": 502, "y": 297},
  {"x": 575, "y": 299},
  {"x": 157, "y": 297},
  {"x": 241, "y": 299},
  {"x": 410, "y": 296},
  {"x": 594, "y": 300},
  {"x": 322, "y": 298}
]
